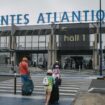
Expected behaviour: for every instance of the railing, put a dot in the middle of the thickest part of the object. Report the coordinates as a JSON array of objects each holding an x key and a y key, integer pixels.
[{"x": 15, "y": 75}]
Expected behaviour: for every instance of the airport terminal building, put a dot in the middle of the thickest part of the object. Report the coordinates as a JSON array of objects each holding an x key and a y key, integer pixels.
[{"x": 74, "y": 44}]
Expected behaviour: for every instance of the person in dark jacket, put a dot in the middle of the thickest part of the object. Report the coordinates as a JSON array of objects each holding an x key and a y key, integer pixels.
[
  {"x": 56, "y": 75},
  {"x": 56, "y": 65}
]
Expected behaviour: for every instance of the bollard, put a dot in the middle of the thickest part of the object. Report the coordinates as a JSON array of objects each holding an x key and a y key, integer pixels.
[{"x": 14, "y": 83}]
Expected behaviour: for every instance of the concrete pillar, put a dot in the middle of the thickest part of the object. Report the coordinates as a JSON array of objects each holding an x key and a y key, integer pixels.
[
  {"x": 12, "y": 47},
  {"x": 50, "y": 52},
  {"x": 52, "y": 48},
  {"x": 95, "y": 51}
]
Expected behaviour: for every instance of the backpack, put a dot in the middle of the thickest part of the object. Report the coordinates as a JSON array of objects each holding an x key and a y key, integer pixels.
[{"x": 45, "y": 81}]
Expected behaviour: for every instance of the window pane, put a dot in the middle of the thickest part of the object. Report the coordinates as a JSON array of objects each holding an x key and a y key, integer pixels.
[
  {"x": 35, "y": 39},
  {"x": 57, "y": 40},
  {"x": 47, "y": 38},
  {"x": 91, "y": 37},
  {"x": 28, "y": 44},
  {"x": 34, "y": 44},
  {"x": 41, "y": 44},
  {"x": 28, "y": 39},
  {"x": 4, "y": 41},
  {"x": 17, "y": 41},
  {"x": 22, "y": 44},
  {"x": 22, "y": 38},
  {"x": 41, "y": 38}
]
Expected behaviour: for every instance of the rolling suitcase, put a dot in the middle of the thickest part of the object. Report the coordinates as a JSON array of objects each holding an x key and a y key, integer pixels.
[
  {"x": 27, "y": 87},
  {"x": 54, "y": 94}
]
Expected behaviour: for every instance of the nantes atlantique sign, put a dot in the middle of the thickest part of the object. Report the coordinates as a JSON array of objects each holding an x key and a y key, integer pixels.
[{"x": 56, "y": 17}]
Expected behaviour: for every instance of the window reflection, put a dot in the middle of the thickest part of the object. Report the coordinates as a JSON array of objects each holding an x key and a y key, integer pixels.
[{"x": 4, "y": 42}]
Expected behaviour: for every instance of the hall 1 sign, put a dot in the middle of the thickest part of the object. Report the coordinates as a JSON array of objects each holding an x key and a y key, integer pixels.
[
  {"x": 74, "y": 42},
  {"x": 74, "y": 38}
]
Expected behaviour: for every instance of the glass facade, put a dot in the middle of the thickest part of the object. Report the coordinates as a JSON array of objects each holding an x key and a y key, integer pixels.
[
  {"x": 4, "y": 58},
  {"x": 37, "y": 42},
  {"x": 4, "y": 42},
  {"x": 40, "y": 43}
]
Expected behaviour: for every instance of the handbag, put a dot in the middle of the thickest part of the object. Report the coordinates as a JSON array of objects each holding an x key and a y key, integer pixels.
[{"x": 58, "y": 81}]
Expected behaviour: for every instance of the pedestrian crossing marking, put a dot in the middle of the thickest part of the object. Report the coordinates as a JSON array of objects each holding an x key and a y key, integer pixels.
[{"x": 69, "y": 87}]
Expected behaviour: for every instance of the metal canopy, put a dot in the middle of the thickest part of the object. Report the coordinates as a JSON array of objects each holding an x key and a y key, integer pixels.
[
  {"x": 60, "y": 29},
  {"x": 5, "y": 33}
]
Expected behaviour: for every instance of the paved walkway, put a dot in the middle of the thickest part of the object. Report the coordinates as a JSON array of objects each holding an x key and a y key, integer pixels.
[{"x": 9, "y": 99}]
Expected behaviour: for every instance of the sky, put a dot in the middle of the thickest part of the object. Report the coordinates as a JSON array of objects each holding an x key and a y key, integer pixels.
[
  {"x": 34, "y": 7},
  {"x": 8, "y": 6}
]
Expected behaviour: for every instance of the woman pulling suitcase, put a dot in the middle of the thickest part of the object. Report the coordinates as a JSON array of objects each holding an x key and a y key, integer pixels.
[
  {"x": 57, "y": 78},
  {"x": 27, "y": 83}
]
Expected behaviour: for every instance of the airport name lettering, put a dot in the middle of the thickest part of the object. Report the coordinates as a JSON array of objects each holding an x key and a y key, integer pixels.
[
  {"x": 56, "y": 17},
  {"x": 14, "y": 19},
  {"x": 74, "y": 16},
  {"x": 74, "y": 38}
]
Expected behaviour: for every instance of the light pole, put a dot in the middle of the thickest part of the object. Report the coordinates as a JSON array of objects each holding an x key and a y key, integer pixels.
[{"x": 100, "y": 41}]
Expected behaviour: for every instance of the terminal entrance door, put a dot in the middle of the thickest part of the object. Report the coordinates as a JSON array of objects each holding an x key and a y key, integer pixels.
[
  {"x": 73, "y": 62},
  {"x": 76, "y": 62}
]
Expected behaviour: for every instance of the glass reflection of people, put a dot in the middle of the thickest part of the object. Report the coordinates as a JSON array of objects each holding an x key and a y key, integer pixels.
[{"x": 90, "y": 64}]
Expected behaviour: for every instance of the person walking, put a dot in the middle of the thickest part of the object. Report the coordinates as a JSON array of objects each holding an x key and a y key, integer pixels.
[
  {"x": 56, "y": 73},
  {"x": 24, "y": 69},
  {"x": 56, "y": 65},
  {"x": 57, "y": 82},
  {"x": 27, "y": 83},
  {"x": 48, "y": 88}
]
